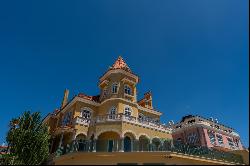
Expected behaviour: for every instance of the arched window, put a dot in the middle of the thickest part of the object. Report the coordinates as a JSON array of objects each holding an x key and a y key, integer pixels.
[
  {"x": 114, "y": 88},
  {"x": 127, "y": 90},
  {"x": 112, "y": 112},
  {"x": 127, "y": 111},
  {"x": 86, "y": 113}
]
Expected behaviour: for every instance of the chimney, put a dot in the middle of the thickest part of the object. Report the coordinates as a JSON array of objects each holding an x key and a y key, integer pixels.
[{"x": 65, "y": 98}]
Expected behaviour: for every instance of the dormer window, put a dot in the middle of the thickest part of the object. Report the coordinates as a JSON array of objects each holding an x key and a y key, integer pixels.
[
  {"x": 114, "y": 88},
  {"x": 127, "y": 90}
]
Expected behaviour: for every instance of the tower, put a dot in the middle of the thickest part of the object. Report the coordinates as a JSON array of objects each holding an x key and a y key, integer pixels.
[{"x": 119, "y": 82}]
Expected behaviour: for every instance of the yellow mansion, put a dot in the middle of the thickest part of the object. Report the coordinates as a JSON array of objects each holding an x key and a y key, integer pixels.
[{"x": 114, "y": 121}]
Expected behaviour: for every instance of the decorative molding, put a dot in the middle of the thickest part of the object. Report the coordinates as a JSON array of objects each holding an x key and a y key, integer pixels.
[
  {"x": 143, "y": 134},
  {"x": 78, "y": 133},
  {"x": 107, "y": 130},
  {"x": 130, "y": 131},
  {"x": 119, "y": 71}
]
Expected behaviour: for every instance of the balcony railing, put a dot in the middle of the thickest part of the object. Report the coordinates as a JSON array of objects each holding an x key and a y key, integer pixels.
[
  {"x": 136, "y": 146},
  {"x": 202, "y": 123},
  {"x": 122, "y": 117}
]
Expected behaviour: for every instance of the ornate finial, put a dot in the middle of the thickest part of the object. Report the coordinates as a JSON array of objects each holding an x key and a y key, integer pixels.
[{"x": 120, "y": 64}]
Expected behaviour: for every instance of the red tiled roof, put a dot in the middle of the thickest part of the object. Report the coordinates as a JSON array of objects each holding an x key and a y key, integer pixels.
[
  {"x": 91, "y": 98},
  {"x": 120, "y": 64}
]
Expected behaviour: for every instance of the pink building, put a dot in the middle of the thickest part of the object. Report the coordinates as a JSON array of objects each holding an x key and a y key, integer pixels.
[{"x": 199, "y": 131}]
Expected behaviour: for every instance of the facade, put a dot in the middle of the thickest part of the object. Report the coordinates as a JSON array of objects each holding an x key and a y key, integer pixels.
[
  {"x": 112, "y": 121},
  {"x": 116, "y": 121},
  {"x": 199, "y": 131}
]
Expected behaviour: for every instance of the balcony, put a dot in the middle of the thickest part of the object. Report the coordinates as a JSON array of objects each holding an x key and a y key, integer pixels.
[
  {"x": 122, "y": 118},
  {"x": 184, "y": 149},
  {"x": 81, "y": 121}
]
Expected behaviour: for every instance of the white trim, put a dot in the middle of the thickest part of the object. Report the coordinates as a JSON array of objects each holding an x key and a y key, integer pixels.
[
  {"x": 148, "y": 110},
  {"x": 87, "y": 101},
  {"x": 136, "y": 104},
  {"x": 119, "y": 71},
  {"x": 205, "y": 126}
]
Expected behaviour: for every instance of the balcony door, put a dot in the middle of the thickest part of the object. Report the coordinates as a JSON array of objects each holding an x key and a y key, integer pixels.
[
  {"x": 127, "y": 144},
  {"x": 110, "y": 145}
]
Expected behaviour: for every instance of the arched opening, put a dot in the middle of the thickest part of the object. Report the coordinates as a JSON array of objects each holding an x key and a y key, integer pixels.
[
  {"x": 129, "y": 142},
  {"x": 143, "y": 143},
  {"x": 82, "y": 142},
  {"x": 156, "y": 144},
  {"x": 108, "y": 142},
  {"x": 167, "y": 144}
]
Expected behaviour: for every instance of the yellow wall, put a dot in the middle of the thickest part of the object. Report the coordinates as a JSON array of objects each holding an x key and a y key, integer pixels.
[{"x": 167, "y": 158}]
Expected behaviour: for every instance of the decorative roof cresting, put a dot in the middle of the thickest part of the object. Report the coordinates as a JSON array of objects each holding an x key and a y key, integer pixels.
[{"x": 120, "y": 64}]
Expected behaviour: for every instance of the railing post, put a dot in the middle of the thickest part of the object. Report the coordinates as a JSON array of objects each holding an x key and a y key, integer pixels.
[
  {"x": 122, "y": 145},
  {"x": 137, "y": 145},
  {"x": 60, "y": 143},
  {"x": 94, "y": 145}
]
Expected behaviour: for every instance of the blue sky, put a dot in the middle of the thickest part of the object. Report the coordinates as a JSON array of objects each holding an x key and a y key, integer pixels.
[{"x": 192, "y": 55}]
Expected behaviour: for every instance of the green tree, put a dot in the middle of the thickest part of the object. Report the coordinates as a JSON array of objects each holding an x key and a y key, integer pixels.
[{"x": 28, "y": 140}]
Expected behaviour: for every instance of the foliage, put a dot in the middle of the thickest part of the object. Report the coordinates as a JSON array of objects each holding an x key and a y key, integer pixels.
[{"x": 28, "y": 140}]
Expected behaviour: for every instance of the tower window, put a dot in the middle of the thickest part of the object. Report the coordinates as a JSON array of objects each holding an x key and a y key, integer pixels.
[
  {"x": 112, "y": 112},
  {"x": 127, "y": 90},
  {"x": 114, "y": 88}
]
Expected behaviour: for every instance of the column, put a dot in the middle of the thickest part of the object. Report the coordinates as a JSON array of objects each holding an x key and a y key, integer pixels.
[
  {"x": 94, "y": 145},
  {"x": 60, "y": 143},
  {"x": 52, "y": 142},
  {"x": 122, "y": 145},
  {"x": 132, "y": 145},
  {"x": 150, "y": 148},
  {"x": 137, "y": 145}
]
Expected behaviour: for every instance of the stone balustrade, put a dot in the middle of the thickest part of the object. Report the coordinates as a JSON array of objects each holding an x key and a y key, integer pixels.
[{"x": 122, "y": 118}]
